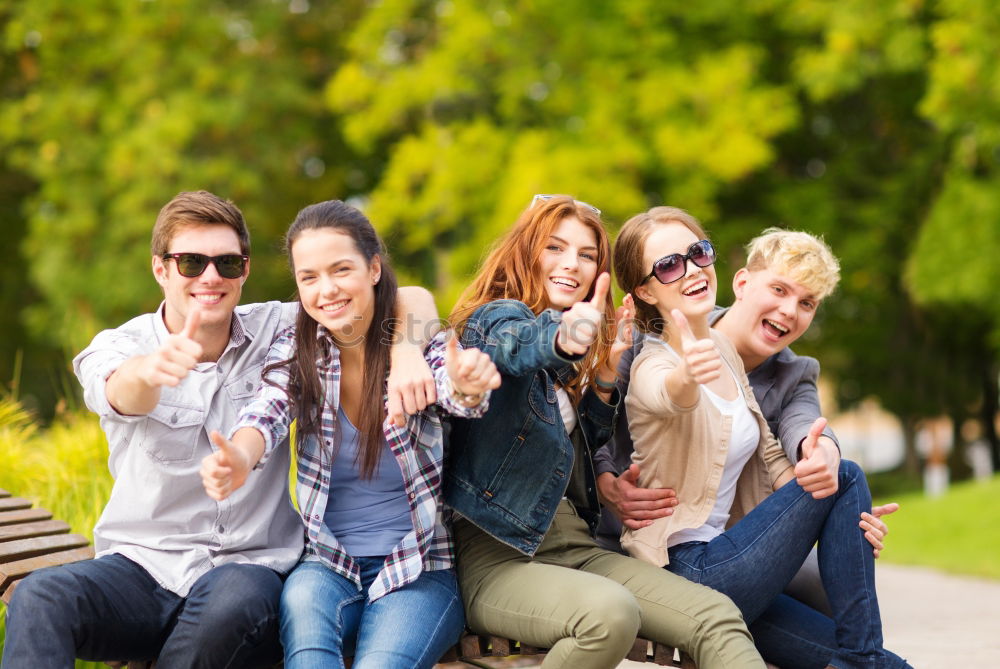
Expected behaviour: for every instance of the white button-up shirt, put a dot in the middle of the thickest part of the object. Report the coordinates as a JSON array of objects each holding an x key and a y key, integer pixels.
[{"x": 159, "y": 514}]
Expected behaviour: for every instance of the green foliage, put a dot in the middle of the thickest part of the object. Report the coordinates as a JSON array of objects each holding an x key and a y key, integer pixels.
[{"x": 958, "y": 532}]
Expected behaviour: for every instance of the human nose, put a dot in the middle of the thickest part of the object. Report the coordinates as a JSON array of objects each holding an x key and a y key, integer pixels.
[
  {"x": 211, "y": 274},
  {"x": 787, "y": 306},
  {"x": 569, "y": 260},
  {"x": 327, "y": 286}
]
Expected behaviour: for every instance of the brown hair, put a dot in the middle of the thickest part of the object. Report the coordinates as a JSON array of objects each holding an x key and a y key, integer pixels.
[
  {"x": 510, "y": 271},
  {"x": 630, "y": 262},
  {"x": 197, "y": 208},
  {"x": 305, "y": 388}
]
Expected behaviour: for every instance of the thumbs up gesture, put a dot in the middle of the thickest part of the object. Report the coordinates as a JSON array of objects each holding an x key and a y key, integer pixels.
[
  {"x": 471, "y": 371},
  {"x": 226, "y": 470},
  {"x": 700, "y": 358},
  {"x": 581, "y": 323},
  {"x": 818, "y": 467},
  {"x": 169, "y": 364}
]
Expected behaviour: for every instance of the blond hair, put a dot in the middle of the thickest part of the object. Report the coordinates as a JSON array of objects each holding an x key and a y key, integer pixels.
[{"x": 803, "y": 258}]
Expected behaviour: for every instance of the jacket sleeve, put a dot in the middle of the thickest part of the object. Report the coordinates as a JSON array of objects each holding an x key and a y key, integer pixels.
[
  {"x": 799, "y": 410},
  {"x": 518, "y": 342}
]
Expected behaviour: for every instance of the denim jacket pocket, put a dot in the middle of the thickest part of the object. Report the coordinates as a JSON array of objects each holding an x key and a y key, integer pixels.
[{"x": 542, "y": 398}]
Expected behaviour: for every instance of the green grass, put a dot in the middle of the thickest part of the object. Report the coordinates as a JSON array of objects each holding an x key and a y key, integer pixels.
[{"x": 958, "y": 532}]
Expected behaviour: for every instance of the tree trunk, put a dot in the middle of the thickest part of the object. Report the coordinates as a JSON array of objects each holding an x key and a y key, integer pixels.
[
  {"x": 911, "y": 459},
  {"x": 990, "y": 399},
  {"x": 959, "y": 468}
]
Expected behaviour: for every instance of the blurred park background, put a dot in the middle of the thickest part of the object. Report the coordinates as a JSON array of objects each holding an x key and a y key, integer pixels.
[{"x": 873, "y": 124}]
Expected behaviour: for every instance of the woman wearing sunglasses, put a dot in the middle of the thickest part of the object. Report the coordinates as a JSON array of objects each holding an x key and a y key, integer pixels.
[
  {"x": 697, "y": 429},
  {"x": 376, "y": 580},
  {"x": 521, "y": 477}
]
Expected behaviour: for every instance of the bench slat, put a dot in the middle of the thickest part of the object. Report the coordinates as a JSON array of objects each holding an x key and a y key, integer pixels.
[
  {"x": 26, "y": 548},
  {"x": 23, "y": 516},
  {"x": 14, "y": 503},
  {"x": 639, "y": 650},
  {"x": 37, "y": 529},
  {"x": 14, "y": 570},
  {"x": 4, "y": 493}
]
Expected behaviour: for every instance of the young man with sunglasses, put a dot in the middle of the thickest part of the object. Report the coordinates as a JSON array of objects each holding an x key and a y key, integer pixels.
[
  {"x": 786, "y": 277},
  {"x": 178, "y": 575}
]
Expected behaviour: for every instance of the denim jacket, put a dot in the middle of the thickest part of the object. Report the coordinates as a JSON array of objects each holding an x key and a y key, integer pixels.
[{"x": 507, "y": 471}]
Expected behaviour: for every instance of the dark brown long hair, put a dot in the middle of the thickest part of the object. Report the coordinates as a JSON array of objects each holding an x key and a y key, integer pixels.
[
  {"x": 510, "y": 271},
  {"x": 305, "y": 388}
]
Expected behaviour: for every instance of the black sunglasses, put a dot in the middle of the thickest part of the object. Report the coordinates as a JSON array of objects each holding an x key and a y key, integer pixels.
[
  {"x": 541, "y": 198},
  {"x": 229, "y": 266},
  {"x": 674, "y": 266}
]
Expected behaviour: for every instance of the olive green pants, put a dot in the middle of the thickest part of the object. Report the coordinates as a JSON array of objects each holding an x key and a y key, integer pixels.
[{"x": 588, "y": 604}]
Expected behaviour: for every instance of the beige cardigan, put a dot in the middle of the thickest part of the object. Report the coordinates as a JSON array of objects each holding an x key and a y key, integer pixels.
[{"x": 684, "y": 448}]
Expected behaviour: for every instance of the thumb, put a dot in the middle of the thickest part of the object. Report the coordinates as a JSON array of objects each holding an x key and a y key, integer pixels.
[
  {"x": 191, "y": 323},
  {"x": 631, "y": 475},
  {"x": 451, "y": 348},
  {"x": 601, "y": 291},
  {"x": 681, "y": 321},
  {"x": 809, "y": 443},
  {"x": 224, "y": 445}
]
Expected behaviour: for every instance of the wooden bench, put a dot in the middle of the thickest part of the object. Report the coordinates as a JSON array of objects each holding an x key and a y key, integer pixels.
[{"x": 30, "y": 539}]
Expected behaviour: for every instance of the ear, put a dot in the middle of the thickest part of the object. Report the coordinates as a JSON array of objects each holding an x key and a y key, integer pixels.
[
  {"x": 375, "y": 269},
  {"x": 740, "y": 282},
  {"x": 644, "y": 294},
  {"x": 246, "y": 273},
  {"x": 160, "y": 271}
]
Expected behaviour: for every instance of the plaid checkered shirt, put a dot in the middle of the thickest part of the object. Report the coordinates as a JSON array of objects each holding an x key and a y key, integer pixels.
[{"x": 418, "y": 448}]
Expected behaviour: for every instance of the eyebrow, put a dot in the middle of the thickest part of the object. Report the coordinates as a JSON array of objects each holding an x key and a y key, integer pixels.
[
  {"x": 563, "y": 241},
  {"x": 349, "y": 261},
  {"x": 788, "y": 286}
]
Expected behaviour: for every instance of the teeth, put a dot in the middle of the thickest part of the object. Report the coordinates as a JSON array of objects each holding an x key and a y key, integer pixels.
[
  {"x": 566, "y": 282},
  {"x": 208, "y": 299},
  {"x": 696, "y": 287},
  {"x": 334, "y": 306},
  {"x": 780, "y": 328}
]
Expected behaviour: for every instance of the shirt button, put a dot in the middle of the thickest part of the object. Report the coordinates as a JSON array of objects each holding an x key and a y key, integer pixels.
[
  {"x": 411, "y": 496},
  {"x": 249, "y": 386},
  {"x": 220, "y": 529},
  {"x": 173, "y": 419}
]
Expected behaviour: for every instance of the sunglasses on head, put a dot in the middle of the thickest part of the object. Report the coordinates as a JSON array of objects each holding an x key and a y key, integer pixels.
[
  {"x": 674, "y": 266},
  {"x": 542, "y": 198},
  {"x": 229, "y": 266}
]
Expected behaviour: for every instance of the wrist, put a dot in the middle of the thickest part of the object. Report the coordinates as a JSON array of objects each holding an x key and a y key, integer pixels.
[{"x": 465, "y": 399}]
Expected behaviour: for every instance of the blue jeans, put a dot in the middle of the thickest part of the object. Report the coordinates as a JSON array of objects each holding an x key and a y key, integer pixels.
[
  {"x": 324, "y": 618},
  {"x": 754, "y": 560},
  {"x": 112, "y": 609}
]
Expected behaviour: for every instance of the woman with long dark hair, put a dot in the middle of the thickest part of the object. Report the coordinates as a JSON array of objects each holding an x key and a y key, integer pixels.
[{"x": 376, "y": 580}]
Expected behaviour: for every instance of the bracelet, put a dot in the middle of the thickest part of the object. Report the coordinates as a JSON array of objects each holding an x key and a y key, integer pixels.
[
  {"x": 606, "y": 385},
  {"x": 465, "y": 399}
]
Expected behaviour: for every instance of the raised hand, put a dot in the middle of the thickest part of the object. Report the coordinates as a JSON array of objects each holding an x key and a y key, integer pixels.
[
  {"x": 875, "y": 529},
  {"x": 582, "y": 322},
  {"x": 624, "y": 332},
  {"x": 700, "y": 358},
  {"x": 169, "y": 364},
  {"x": 225, "y": 470},
  {"x": 818, "y": 468},
  {"x": 471, "y": 371}
]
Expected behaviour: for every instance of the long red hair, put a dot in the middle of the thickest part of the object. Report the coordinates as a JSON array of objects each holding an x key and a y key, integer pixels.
[{"x": 511, "y": 271}]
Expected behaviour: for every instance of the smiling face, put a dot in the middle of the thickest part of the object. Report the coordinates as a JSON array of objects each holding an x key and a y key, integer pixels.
[
  {"x": 694, "y": 294},
  {"x": 771, "y": 311},
  {"x": 567, "y": 265},
  {"x": 213, "y": 295},
  {"x": 336, "y": 283}
]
